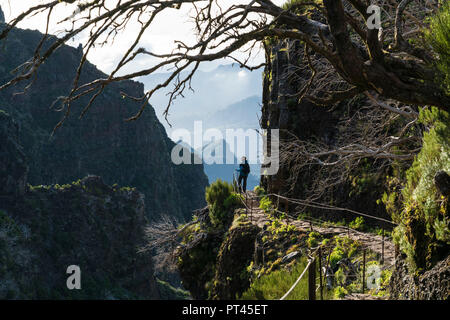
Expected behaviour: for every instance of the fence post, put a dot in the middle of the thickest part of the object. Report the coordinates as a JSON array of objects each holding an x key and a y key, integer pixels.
[
  {"x": 286, "y": 209},
  {"x": 246, "y": 204},
  {"x": 263, "y": 262},
  {"x": 364, "y": 271},
  {"x": 320, "y": 273},
  {"x": 251, "y": 209},
  {"x": 312, "y": 280}
]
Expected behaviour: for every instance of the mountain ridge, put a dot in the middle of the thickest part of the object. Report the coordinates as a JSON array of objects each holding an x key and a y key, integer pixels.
[{"x": 102, "y": 143}]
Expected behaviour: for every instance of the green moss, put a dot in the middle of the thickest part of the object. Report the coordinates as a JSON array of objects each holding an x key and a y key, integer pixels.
[
  {"x": 168, "y": 292},
  {"x": 423, "y": 232}
]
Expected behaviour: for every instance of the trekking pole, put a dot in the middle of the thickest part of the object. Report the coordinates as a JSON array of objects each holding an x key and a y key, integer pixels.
[{"x": 382, "y": 247}]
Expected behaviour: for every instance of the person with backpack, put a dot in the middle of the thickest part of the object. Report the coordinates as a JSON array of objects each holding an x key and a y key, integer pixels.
[{"x": 244, "y": 170}]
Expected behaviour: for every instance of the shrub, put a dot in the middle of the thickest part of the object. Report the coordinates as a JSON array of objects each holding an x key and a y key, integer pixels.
[
  {"x": 313, "y": 239},
  {"x": 340, "y": 292},
  {"x": 221, "y": 201},
  {"x": 438, "y": 36},
  {"x": 423, "y": 231},
  {"x": 345, "y": 248},
  {"x": 336, "y": 255},
  {"x": 266, "y": 205},
  {"x": 259, "y": 191},
  {"x": 357, "y": 224}
]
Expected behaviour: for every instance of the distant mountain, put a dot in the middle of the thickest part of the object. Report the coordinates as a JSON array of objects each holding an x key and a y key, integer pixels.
[
  {"x": 214, "y": 91},
  {"x": 243, "y": 114},
  {"x": 225, "y": 171}
]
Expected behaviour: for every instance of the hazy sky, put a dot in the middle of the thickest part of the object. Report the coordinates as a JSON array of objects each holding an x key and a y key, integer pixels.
[{"x": 171, "y": 26}]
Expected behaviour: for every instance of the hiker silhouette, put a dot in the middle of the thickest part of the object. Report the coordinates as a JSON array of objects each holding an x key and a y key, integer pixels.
[{"x": 244, "y": 170}]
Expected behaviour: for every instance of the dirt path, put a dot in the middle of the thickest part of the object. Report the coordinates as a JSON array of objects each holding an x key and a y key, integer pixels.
[{"x": 371, "y": 241}]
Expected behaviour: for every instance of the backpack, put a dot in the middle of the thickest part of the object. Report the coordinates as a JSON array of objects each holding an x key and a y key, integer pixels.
[{"x": 246, "y": 168}]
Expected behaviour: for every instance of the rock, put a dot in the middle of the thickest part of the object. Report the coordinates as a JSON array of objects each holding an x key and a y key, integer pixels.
[
  {"x": 13, "y": 167},
  {"x": 234, "y": 256},
  {"x": 133, "y": 153},
  {"x": 290, "y": 256},
  {"x": 2, "y": 16},
  {"x": 286, "y": 72},
  {"x": 45, "y": 229},
  {"x": 442, "y": 182},
  {"x": 433, "y": 284}
]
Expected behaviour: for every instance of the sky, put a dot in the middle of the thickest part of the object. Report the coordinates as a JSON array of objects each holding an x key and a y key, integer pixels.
[{"x": 173, "y": 25}]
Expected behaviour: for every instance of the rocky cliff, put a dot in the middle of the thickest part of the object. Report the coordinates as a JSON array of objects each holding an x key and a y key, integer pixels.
[
  {"x": 368, "y": 182},
  {"x": 283, "y": 76},
  {"x": 433, "y": 284},
  {"x": 46, "y": 229},
  {"x": 127, "y": 153},
  {"x": 212, "y": 262}
]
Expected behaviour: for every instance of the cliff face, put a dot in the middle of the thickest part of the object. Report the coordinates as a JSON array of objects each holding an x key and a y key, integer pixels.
[
  {"x": 312, "y": 124},
  {"x": 322, "y": 125},
  {"x": 128, "y": 153},
  {"x": 212, "y": 262},
  {"x": 433, "y": 284},
  {"x": 45, "y": 229}
]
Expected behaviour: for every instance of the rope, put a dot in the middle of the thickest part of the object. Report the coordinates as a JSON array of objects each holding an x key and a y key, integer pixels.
[
  {"x": 298, "y": 279},
  {"x": 313, "y": 257},
  {"x": 317, "y": 205}
]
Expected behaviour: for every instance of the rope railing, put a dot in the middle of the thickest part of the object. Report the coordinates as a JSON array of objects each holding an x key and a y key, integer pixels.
[
  {"x": 298, "y": 280},
  {"x": 317, "y": 205},
  {"x": 312, "y": 219},
  {"x": 310, "y": 267},
  {"x": 312, "y": 257}
]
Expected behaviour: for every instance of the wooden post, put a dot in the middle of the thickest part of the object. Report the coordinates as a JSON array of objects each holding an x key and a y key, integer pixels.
[
  {"x": 263, "y": 262},
  {"x": 246, "y": 204},
  {"x": 364, "y": 271},
  {"x": 251, "y": 210},
  {"x": 312, "y": 280},
  {"x": 382, "y": 248},
  {"x": 320, "y": 273},
  {"x": 286, "y": 209},
  {"x": 328, "y": 262}
]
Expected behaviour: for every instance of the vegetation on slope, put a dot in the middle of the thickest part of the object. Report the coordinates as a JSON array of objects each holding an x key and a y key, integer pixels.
[{"x": 423, "y": 232}]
